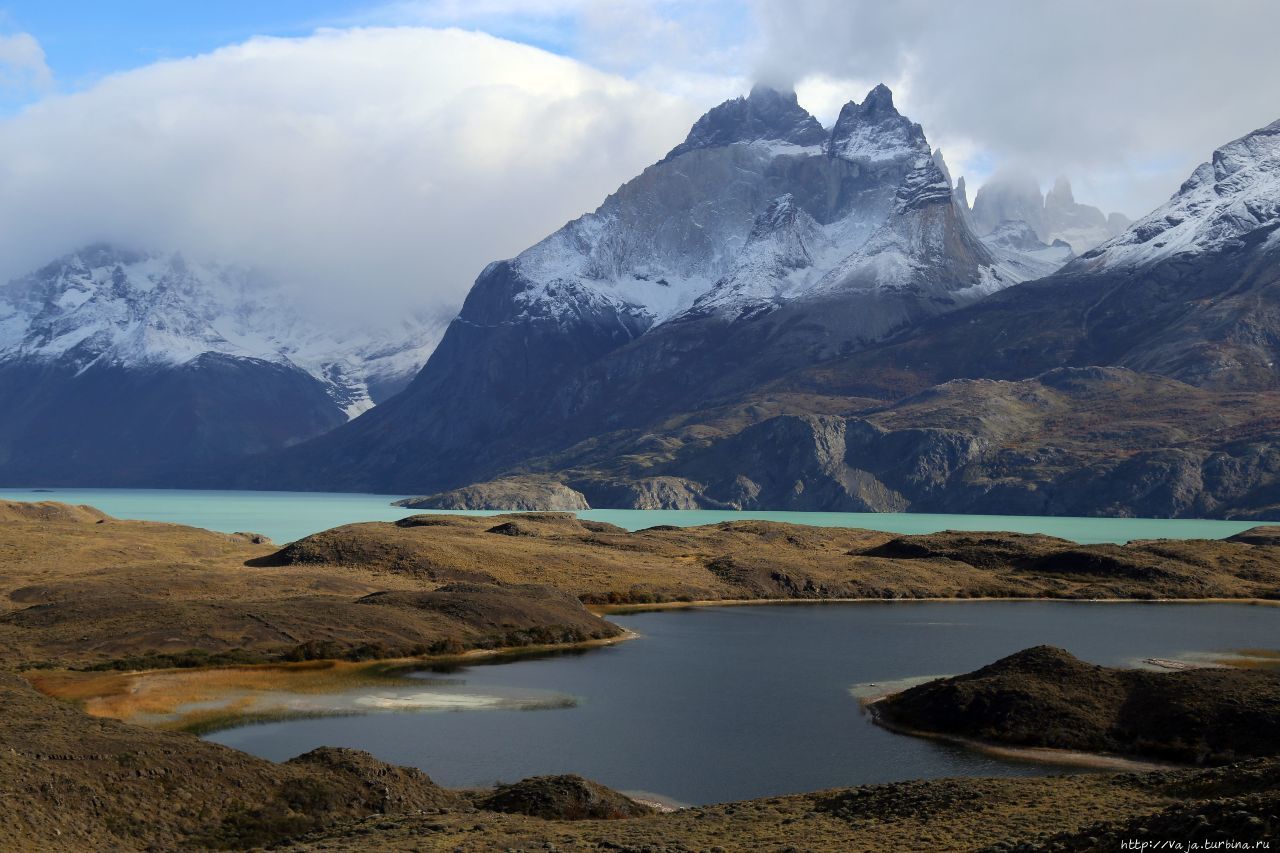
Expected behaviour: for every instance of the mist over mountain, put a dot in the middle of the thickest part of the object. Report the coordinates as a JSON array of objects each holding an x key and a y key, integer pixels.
[
  {"x": 1139, "y": 379},
  {"x": 1014, "y": 196},
  {"x": 773, "y": 315},
  {"x": 760, "y": 244},
  {"x": 116, "y": 364}
]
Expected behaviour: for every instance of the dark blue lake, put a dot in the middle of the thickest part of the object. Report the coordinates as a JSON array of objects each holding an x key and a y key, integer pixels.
[{"x": 728, "y": 703}]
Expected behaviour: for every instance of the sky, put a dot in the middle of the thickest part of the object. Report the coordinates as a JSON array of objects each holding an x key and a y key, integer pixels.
[{"x": 386, "y": 151}]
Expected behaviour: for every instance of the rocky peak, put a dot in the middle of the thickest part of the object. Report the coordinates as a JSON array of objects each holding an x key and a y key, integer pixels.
[
  {"x": 781, "y": 213},
  {"x": 131, "y": 309},
  {"x": 1259, "y": 150},
  {"x": 1009, "y": 196},
  {"x": 1014, "y": 234},
  {"x": 874, "y": 130},
  {"x": 941, "y": 163},
  {"x": 1237, "y": 192},
  {"x": 924, "y": 185},
  {"x": 789, "y": 229},
  {"x": 879, "y": 102},
  {"x": 1060, "y": 195},
  {"x": 765, "y": 114}
]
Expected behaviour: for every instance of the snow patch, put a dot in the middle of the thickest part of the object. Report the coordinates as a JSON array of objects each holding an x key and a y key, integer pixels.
[{"x": 107, "y": 306}]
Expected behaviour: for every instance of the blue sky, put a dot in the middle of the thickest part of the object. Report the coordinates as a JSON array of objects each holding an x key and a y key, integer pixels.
[{"x": 84, "y": 40}]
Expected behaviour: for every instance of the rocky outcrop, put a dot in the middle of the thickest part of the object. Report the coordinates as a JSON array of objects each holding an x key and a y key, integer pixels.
[
  {"x": 975, "y": 446},
  {"x": 766, "y": 114},
  {"x": 1044, "y": 697},
  {"x": 1268, "y": 536},
  {"x": 567, "y": 797},
  {"x": 509, "y": 494}
]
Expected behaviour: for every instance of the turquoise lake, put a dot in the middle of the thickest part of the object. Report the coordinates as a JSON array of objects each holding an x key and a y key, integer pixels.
[{"x": 286, "y": 516}]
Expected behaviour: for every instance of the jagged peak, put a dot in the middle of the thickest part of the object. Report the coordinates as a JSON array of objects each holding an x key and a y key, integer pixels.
[
  {"x": 782, "y": 214},
  {"x": 765, "y": 114},
  {"x": 1014, "y": 181},
  {"x": 879, "y": 101},
  {"x": 1061, "y": 193},
  {"x": 764, "y": 93},
  {"x": 941, "y": 163},
  {"x": 874, "y": 130},
  {"x": 1015, "y": 234}
]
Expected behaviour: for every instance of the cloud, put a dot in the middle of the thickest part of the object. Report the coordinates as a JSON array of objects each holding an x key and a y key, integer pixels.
[
  {"x": 390, "y": 164},
  {"x": 1124, "y": 97},
  {"x": 22, "y": 64},
  {"x": 696, "y": 50}
]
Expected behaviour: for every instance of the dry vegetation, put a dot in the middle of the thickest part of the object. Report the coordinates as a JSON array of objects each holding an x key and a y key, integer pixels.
[
  {"x": 1045, "y": 697},
  {"x": 73, "y": 782},
  {"x": 82, "y": 590},
  {"x": 604, "y": 564},
  {"x": 100, "y": 596}
]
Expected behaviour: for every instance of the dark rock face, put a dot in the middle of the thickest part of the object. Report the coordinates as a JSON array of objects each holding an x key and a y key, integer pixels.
[
  {"x": 764, "y": 114},
  {"x": 1210, "y": 319},
  {"x": 1140, "y": 379},
  {"x": 157, "y": 426},
  {"x": 1045, "y": 697},
  {"x": 377, "y": 787},
  {"x": 603, "y": 325}
]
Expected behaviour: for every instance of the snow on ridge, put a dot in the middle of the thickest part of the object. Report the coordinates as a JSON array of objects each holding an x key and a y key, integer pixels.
[
  {"x": 103, "y": 306},
  {"x": 680, "y": 240},
  {"x": 1235, "y": 193}
]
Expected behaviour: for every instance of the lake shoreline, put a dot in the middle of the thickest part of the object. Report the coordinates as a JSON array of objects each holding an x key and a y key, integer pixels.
[
  {"x": 1037, "y": 755},
  {"x": 624, "y": 609},
  {"x": 288, "y": 516},
  {"x": 316, "y": 677}
]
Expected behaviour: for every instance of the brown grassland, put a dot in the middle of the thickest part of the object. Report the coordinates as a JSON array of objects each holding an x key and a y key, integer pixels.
[{"x": 134, "y": 620}]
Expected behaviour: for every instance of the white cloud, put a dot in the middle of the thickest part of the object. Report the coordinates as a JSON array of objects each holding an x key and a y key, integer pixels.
[
  {"x": 22, "y": 64},
  {"x": 1124, "y": 97},
  {"x": 383, "y": 163}
]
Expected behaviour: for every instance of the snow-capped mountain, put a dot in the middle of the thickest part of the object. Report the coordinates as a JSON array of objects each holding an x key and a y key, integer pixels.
[
  {"x": 759, "y": 206},
  {"x": 132, "y": 368},
  {"x": 108, "y": 306},
  {"x": 760, "y": 243},
  {"x": 1016, "y": 244},
  {"x": 1235, "y": 194}
]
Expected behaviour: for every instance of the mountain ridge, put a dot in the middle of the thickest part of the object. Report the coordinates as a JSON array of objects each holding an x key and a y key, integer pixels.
[
  {"x": 1127, "y": 383},
  {"x": 741, "y": 243},
  {"x": 121, "y": 366}
]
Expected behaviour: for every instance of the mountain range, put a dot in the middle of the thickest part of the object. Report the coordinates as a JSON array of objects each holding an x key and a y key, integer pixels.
[
  {"x": 1014, "y": 196},
  {"x": 121, "y": 367},
  {"x": 782, "y": 315}
]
